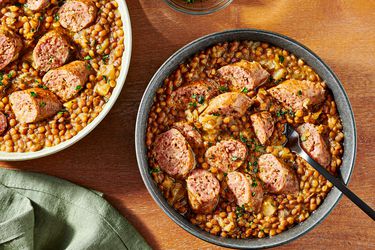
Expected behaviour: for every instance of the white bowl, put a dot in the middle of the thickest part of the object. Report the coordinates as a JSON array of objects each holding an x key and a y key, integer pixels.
[{"x": 123, "y": 9}]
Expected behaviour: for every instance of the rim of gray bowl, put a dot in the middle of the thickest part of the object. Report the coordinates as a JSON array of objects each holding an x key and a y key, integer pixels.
[{"x": 311, "y": 59}]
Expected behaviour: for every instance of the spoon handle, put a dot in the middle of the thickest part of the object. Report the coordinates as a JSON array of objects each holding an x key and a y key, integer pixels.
[{"x": 339, "y": 184}]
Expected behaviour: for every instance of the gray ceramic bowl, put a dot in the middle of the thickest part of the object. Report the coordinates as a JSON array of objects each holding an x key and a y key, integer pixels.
[{"x": 300, "y": 51}]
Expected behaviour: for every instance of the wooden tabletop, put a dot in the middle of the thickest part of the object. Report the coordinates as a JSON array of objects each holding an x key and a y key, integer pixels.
[{"x": 342, "y": 33}]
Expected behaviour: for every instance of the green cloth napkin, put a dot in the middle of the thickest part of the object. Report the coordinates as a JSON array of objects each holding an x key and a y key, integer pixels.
[{"x": 43, "y": 212}]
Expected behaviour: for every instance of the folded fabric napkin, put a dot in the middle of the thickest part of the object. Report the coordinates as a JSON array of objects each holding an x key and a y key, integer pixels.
[{"x": 44, "y": 212}]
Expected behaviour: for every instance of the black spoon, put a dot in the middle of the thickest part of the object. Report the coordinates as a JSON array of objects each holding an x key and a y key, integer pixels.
[{"x": 293, "y": 143}]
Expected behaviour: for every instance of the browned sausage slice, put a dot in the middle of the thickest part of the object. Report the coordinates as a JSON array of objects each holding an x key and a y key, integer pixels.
[
  {"x": 277, "y": 177},
  {"x": 244, "y": 75},
  {"x": 263, "y": 125},
  {"x": 314, "y": 144},
  {"x": 173, "y": 154},
  {"x": 228, "y": 104},
  {"x": 247, "y": 190},
  {"x": 195, "y": 93},
  {"x": 190, "y": 133},
  {"x": 297, "y": 94},
  {"x": 227, "y": 155},
  {"x": 203, "y": 191},
  {"x": 34, "y": 104},
  {"x": 51, "y": 51},
  {"x": 76, "y": 15},
  {"x": 3, "y": 123},
  {"x": 10, "y": 47},
  {"x": 38, "y": 4},
  {"x": 67, "y": 80}
]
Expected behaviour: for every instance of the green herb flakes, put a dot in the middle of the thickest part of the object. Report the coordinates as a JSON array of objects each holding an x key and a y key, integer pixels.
[
  {"x": 155, "y": 170},
  {"x": 223, "y": 88},
  {"x": 42, "y": 104},
  {"x": 78, "y": 87},
  {"x": 33, "y": 94},
  {"x": 88, "y": 58},
  {"x": 281, "y": 59},
  {"x": 244, "y": 90}
]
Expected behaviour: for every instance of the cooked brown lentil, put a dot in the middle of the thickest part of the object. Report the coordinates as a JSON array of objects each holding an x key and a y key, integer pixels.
[
  {"x": 101, "y": 45},
  {"x": 279, "y": 212}
]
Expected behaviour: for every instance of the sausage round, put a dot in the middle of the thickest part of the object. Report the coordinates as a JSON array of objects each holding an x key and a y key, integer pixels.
[
  {"x": 191, "y": 134},
  {"x": 247, "y": 190},
  {"x": 277, "y": 177},
  {"x": 298, "y": 94},
  {"x": 314, "y": 144},
  {"x": 244, "y": 75},
  {"x": 203, "y": 191},
  {"x": 76, "y": 15},
  {"x": 195, "y": 93},
  {"x": 35, "y": 104},
  {"x": 263, "y": 125},
  {"x": 10, "y": 47},
  {"x": 51, "y": 51},
  {"x": 38, "y": 4},
  {"x": 227, "y": 155},
  {"x": 3, "y": 123},
  {"x": 67, "y": 80},
  {"x": 173, "y": 154}
]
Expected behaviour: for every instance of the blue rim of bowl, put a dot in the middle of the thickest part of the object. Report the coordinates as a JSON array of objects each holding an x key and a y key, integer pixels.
[
  {"x": 251, "y": 243},
  {"x": 198, "y": 12}
]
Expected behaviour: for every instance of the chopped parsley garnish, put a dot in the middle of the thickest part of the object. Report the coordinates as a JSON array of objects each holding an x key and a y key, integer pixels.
[
  {"x": 242, "y": 138},
  {"x": 240, "y": 211},
  {"x": 281, "y": 59},
  {"x": 88, "y": 58},
  {"x": 291, "y": 113},
  {"x": 225, "y": 174},
  {"x": 88, "y": 66},
  {"x": 254, "y": 183},
  {"x": 42, "y": 104},
  {"x": 105, "y": 58},
  {"x": 10, "y": 75},
  {"x": 193, "y": 104},
  {"x": 245, "y": 90},
  {"x": 42, "y": 86},
  {"x": 201, "y": 99},
  {"x": 56, "y": 17},
  {"x": 105, "y": 78},
  {"x": 1, "y": 78},
  {"x": 235, "y": 158},
  {"x": 299, "y": 92},
  {"x": 216, "y": 114},
  {"x": 253, "y": 194},
  {"x": 62, "y": 111},
  {"x": 280, "y": 113},
  {"x": 194, "y": 96},
  {"x": 154, "y": 170},
  {"x": 259, "y": 148},
  {"x": 41, "y": 18},
  {"x": 78, "y": 87},
  {"x": 33, "y": 94},
  {"x": 223, "y": 88}
]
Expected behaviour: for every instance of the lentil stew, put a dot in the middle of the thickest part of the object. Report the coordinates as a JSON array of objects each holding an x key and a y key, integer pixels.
[
  {"x": 234, "y": 99},
  {"x": 64, "y": 72}
]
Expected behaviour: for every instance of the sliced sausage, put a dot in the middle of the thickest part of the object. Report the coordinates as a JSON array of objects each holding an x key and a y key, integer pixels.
[
  {"x": 10, "y": 47},
  {"x": 263, "y": 125},
  {"x": 314, "y": 144},
  {"x": 76, "y": 15},
  {"x": 195, "y": 93},
  {"x": 51, "y": 51},
  {"x": 3, "y": 123},
  {"x": 297, "y": 94},
  {"x": 203, "y": 191},
  {"x": 277, "y": 177},
  {"x": 227, "y": 155},
  {"x": 34, "y": 104},
  {"x": 228, "y": 104},
  {"x": 244, "y": 75},
  {"x": 67, "y": 80},
  {"x": 173, "y": 154},
  {"x": 191, "y": 134},
  {"x": 37, "y": 5},
  {"x": 247, "y": 190}
]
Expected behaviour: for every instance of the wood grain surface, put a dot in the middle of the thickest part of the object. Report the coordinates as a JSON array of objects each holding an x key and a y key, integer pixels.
[{"x": 341, "y": 32}]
